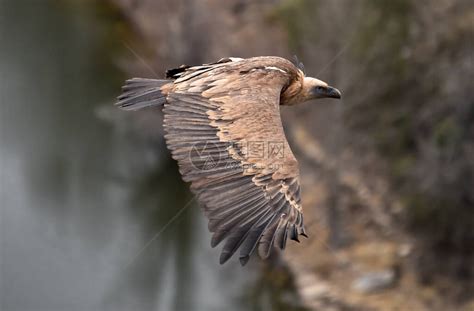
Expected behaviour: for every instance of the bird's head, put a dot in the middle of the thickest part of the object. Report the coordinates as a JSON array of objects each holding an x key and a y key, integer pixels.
[{"x": 314, "y": 88}]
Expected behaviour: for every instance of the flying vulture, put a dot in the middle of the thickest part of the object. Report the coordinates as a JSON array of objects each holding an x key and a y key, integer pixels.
[{"x": 223, "y": 126}]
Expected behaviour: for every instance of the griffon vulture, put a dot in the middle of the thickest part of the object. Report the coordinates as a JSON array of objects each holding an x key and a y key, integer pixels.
[{"x": 223, "y": 126}]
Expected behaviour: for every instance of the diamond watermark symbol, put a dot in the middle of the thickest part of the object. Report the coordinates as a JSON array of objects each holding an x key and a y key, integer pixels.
[{"x": 204, "y": 155}]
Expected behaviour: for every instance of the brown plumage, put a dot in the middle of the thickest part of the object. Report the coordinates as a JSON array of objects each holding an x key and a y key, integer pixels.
[{"x": 223, "y": 126}]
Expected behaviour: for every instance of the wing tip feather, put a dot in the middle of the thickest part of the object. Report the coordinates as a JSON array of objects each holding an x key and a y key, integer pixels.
[{"x": 244, "y": 260}]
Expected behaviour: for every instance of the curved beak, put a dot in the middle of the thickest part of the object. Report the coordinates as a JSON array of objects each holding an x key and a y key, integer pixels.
[{"x": 332, "y": 92}]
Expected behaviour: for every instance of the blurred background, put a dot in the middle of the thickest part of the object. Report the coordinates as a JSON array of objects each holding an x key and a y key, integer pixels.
[{"x": 87, "y": 192}]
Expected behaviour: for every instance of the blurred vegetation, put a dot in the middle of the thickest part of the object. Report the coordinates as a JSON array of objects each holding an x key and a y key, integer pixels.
[{"x": 413, "y": 101}]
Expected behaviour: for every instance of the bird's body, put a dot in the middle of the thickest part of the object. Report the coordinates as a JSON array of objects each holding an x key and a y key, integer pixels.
[{"x": 223, "y": 126}]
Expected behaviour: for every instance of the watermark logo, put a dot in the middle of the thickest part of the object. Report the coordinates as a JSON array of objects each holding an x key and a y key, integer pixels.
[
  {"x": 276, "y": 150},
  {"x": 205, "y": 155},
  {"x": 208, "y": 155}
]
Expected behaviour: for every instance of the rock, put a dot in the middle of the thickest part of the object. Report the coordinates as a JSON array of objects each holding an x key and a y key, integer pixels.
[{"x": 374, "y": 281}]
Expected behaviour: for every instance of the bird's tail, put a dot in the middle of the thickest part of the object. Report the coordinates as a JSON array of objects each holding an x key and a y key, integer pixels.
[{"x": 138, "y": 93}]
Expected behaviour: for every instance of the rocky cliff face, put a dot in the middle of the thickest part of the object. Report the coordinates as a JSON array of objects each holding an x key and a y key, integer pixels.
[{"x": 388, "y": 174}]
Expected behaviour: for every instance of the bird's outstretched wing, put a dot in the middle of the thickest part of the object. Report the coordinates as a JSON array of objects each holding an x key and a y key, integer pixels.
[{"x": 224, "y": 128}]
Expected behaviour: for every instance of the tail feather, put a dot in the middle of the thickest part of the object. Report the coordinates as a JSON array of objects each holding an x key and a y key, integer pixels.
[{"x": 139, "y": 93}]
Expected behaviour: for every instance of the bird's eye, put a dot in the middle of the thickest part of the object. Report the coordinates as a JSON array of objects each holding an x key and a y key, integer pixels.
[{"x": 320, "y": 89}]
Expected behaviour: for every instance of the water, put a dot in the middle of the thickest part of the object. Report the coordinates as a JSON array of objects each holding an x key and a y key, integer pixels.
[{"x": 82, "y": 194}]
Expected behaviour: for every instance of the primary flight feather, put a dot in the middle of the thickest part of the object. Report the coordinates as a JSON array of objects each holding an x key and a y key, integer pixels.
[{"x": 223, "y": 126}]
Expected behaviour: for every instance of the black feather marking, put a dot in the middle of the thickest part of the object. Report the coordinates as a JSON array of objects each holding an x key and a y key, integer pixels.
[{"x": 171, "y": 73}]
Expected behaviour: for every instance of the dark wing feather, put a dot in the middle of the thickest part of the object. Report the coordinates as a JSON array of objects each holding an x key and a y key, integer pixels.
[
  {"x": 140, "y": 92},
  {"x": 223, "y": 109}
]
